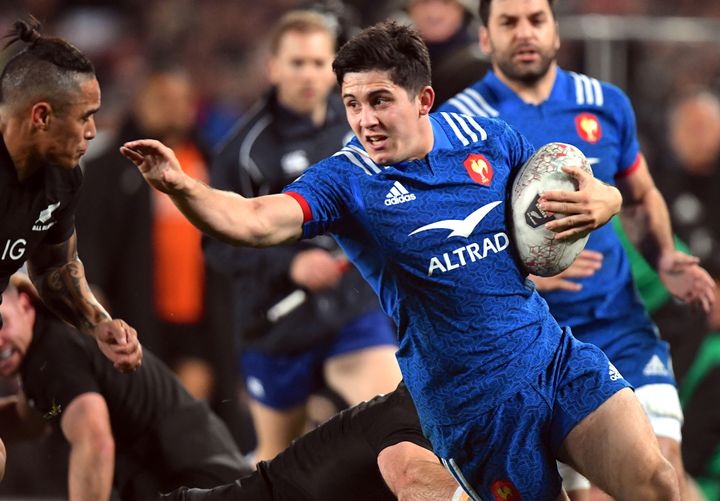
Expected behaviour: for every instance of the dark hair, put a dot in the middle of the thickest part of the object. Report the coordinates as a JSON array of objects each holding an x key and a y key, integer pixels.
[
  {"x": 484, "y": 10},
  {"x": 300, "y": 21},
  {"x": 48, "y": 68},
  {"x": 387, "y": 46}
]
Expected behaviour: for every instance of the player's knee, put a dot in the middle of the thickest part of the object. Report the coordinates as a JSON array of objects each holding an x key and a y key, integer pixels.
[
  {"x": 670, "y": 449},
  {"x": 660, "y": 482}
]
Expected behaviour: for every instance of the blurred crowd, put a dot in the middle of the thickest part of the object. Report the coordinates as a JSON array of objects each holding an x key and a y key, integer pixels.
[{"x": 186, "y": 71}]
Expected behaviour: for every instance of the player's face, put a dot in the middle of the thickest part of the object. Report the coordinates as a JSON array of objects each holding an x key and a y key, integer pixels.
[
  {"x": 302, "y": 70},
  {"x": 18, "y": 320},
  {"x": 436, "y": 20},
  {"x": 385, "y": 117},
  {"x": 166, "y": 107},
  {"x": 71, "y": 128},
  {"x": 521, "y": 39}
]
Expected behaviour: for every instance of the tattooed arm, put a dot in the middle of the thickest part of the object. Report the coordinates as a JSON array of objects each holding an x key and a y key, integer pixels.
[{"x": 59, "y": 276}]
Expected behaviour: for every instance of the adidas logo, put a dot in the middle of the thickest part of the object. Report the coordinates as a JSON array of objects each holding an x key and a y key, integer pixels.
[
  {"x": 655, "y": 367},
  {"x": 398, "y": 195},
  {"x": 613, "y": 372}
]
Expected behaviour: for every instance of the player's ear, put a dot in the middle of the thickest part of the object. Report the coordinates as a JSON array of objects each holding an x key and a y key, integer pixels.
[
  {"x": 40, "y": 115},
  {"x": 426, "y": 98},
  {"x": 485, "y": 41}
]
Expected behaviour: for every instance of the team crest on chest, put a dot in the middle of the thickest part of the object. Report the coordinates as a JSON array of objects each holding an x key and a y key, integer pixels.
[
  {"x": 479, "y": 168},
  {"x": 45, "y": 219},
  {"x": 588, "y": 127}
]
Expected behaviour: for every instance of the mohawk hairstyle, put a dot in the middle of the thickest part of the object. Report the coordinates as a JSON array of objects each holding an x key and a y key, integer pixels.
[{"x": 48, "y": 68}]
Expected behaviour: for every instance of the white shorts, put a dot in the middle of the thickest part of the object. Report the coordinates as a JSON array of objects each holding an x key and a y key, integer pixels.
[{"x": 662, "y": 406}]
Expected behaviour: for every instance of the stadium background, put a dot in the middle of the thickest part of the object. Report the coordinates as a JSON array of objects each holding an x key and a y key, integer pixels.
[{"x": 656, "y": 50}]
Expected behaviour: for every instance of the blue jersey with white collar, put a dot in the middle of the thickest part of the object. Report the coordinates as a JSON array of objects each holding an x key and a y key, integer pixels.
[
  {"x": 598, "y": 118},
  {"x": 430, "y": 236}
]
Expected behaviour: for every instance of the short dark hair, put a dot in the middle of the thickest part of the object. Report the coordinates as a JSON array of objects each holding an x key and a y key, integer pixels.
[
  {"x": 484, "y": 10},
  {"x": 48, "y": 68},
  {"x": 387, "y": 46},
  {"x": 300, "y": 21}
]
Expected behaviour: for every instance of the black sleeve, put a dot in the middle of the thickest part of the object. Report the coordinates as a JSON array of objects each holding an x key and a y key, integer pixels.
[
  {"x": 65, "y": 225},
  {"x": 396, "y": 421},
  {"x": 57, "y": 369}
]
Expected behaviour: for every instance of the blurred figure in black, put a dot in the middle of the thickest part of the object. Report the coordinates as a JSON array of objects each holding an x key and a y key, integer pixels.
[
  {"x": 145, "y": 260},
  {"x": 449, "y": 30},
  {"x": 304, "y": 321}
]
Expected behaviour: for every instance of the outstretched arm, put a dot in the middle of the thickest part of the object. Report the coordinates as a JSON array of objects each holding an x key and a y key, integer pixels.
[
  {"x": 254, "y": 222},
  {"x": 86, "y": 425},
  {"x": 59, "y": 277},
  {"x": 646, "y": 221}
]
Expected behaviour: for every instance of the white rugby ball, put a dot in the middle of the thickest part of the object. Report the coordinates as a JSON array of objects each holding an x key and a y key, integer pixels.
[{"x": 540, "y": 253}]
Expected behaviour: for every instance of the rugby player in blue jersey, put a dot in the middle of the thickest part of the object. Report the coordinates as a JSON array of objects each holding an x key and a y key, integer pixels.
[
  {"x": 596, "y": 298},
  {"x": 501, "y": 390}
]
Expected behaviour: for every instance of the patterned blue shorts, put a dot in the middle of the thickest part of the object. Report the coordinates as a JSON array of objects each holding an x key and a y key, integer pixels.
[{"x": 508, "y": 452}]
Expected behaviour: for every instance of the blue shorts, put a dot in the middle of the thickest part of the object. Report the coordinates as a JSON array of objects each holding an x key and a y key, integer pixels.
[
  {"x": 509, "y": 451},
  {"x": 633, "y": 345},
  {"x": 283, "y": 381}
]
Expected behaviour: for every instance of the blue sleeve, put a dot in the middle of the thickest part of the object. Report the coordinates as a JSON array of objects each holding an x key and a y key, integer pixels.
[
  {"x": 627, "y": 131},
  {"x": 323, "y": 193},
  {"x": 519, "y": 148}
]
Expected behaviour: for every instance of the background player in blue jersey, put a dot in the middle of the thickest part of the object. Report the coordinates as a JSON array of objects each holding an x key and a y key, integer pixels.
[
  {"x": 528, "y": 89},
  {"x": 500, "y": 389}
]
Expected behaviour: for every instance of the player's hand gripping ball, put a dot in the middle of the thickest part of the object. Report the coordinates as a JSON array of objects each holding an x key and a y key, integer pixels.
[{"x": 540, "y": 253}]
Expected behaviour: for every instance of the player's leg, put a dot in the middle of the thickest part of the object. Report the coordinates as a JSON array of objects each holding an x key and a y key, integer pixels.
[
  {"x": 646, "y": 364},
  {"x": 278, "y": 387},
  {"x": 662, "y": 406},
  {"x": 253, "y": 487},
  {"x": 275, "y": 428},
  {"x": 600, "y": 429},
  {"x": 361, "y": 363},
  {"x": 615, "y": 447}
]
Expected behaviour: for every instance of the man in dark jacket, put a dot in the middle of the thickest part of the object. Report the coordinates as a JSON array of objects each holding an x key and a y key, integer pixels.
[{"x": 299, "y": 314}]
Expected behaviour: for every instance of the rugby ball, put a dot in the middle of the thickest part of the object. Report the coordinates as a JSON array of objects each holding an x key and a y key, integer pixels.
[{"x": 539, "y": 252}]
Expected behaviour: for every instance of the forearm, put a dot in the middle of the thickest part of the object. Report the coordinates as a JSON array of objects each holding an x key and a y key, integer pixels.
[
  {"x": 90, "y": 471},
  {"x": 232, "y": 218},
  {"x": 647, "y": 224},
  {"x": 430, "y": 482},
  {"x": 413, "y": 473},
  {"x": 65, "y": 291}
]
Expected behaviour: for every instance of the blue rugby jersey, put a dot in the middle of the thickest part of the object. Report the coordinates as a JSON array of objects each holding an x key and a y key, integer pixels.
[
  {"x": 598, "y": 118},
  {"x": 430, "y": 236}
]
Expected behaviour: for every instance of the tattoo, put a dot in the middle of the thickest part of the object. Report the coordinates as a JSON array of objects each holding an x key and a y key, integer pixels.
[{"x": 59, "y": 276}]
